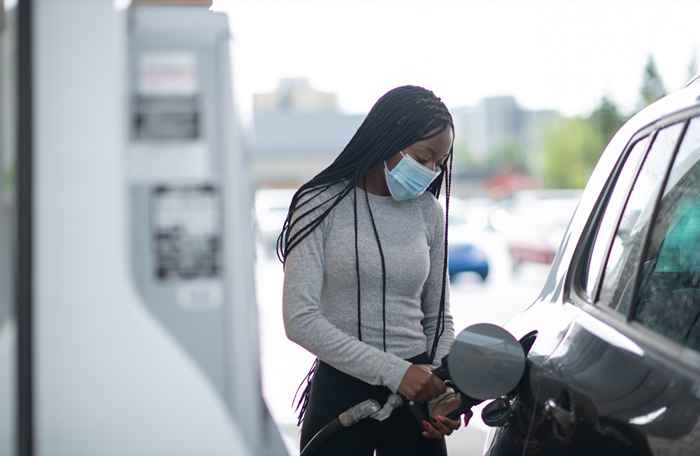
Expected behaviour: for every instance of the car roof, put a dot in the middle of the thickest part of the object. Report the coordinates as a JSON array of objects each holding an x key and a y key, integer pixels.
[
  {"x": 674, "y": 102},
  {"x": 679, "y": 100}
]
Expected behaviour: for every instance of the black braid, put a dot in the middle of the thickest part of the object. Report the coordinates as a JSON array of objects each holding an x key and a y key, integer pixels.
[
  {"x": 381, "y": 257},
  {"x": 440, "y": 328},
  {"x": 357, "y": 269},
  {"x": 400, "y": 118}
]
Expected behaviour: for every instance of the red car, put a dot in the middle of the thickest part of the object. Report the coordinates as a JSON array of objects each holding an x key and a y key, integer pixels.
[{"x": 533, "y": 223}]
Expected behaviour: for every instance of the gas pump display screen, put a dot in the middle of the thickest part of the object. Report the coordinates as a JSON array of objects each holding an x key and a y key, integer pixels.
[{"x": 186, "y": 232}]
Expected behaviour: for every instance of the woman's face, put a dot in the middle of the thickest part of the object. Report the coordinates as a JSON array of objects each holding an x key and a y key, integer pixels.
[{"x": 431, "y": 153}]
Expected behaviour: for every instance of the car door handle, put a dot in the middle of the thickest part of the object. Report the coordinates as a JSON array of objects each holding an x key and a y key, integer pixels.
[{"x": 564, "y": 420}]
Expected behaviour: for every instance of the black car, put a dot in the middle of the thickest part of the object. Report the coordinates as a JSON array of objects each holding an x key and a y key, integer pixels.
[{"x": 615, "y": 367}]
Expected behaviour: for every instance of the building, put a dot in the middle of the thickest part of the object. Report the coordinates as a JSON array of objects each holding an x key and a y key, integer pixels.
[
  {"x": 297, "y": 132},
  {"x": 496, "y": 121},
  {"x": 295, "y": 95}
]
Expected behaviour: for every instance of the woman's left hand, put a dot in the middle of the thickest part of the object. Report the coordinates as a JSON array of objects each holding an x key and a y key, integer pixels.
[
  {"x": 439, "y": 427},
  {"x": 443, "y": 426}
]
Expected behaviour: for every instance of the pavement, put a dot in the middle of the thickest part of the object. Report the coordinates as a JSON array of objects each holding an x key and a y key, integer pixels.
[{"x": 284, "y": 364}]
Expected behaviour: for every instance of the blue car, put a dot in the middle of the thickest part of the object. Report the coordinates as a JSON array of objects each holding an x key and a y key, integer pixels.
[
  {"x": 466, "y": 257},
  {"x": 463, "y": 255}
]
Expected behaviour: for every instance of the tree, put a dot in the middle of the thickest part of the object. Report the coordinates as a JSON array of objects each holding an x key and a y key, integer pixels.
[
  {"x": 508, "y": 154},
  {"x": 571, "y": 148},
  {"x": 606, "y": 118},
  {"x": 7, "y": 179},
  {"x": 463, "y": 157},
  {"x": 652, "y": 86}
]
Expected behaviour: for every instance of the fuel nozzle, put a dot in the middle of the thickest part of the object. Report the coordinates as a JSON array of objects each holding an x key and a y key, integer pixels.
[{"x": 358, "y": 412}]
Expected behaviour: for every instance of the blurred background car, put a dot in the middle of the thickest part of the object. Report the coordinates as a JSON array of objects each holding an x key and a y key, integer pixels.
[
  {"x": 533, "y": 223},
  {"x": 271, "y": 206},
  {"x": 464, "y": 253}
]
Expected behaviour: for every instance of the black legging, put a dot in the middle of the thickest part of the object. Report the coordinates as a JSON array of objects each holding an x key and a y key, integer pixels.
[{"x": 333, "y": 392}]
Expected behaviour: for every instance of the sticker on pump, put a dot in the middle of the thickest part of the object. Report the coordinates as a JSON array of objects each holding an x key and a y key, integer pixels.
[
  {"x": 166, "y": 105},
  {"x": 186, "y": 232},
  {"x": 168, "y": 73}
]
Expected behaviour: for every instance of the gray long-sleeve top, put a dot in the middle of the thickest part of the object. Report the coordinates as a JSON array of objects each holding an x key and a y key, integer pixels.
[{"x": 320, "y": 285}]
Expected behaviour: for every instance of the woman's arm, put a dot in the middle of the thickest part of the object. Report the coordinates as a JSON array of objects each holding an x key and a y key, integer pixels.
[
  {"x": 306, "y": 325},
  {"x": 432, "y": 288}
]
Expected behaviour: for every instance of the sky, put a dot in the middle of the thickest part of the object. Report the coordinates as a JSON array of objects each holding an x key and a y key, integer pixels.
[{"x": 562, "y": 55}]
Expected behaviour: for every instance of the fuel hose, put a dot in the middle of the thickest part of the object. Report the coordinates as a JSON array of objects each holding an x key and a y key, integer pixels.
[{"x": 346, "y": 419}]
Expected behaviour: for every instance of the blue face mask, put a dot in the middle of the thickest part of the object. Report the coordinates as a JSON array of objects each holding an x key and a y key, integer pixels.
[{"x": 409, "y": 179}]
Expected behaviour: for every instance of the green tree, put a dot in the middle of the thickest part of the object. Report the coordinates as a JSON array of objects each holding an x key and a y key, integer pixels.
[
  {"x": 606, "y": 118},
  {"x": 652, "y": 86},
  {"x": 571, "y": 148},
  {"x": 8, "y": 180},
  {"x": 508, "y": 154},
  {"x": 463, "y": 157}
]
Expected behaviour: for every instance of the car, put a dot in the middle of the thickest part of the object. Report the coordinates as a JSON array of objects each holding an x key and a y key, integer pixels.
[
  {"x": 463, "y": 253},
  {"x": 533, "y": 223},
  {"x": 271, "y": 207},
  {"x": 615, "y": 365}
]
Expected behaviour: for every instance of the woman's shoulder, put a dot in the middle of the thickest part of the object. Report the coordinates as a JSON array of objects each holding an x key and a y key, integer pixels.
[
  {"x": 431, "y": 207},
  {"x": 317, "y": 201}
]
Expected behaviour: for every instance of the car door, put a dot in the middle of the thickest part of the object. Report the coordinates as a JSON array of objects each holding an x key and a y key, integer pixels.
[{"x": 625, "y": 377}]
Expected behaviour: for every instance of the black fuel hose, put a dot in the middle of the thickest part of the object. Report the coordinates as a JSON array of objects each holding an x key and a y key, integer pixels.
[
  {"x": 321, "y": 437},
  {"x": 346, "y": 419}
]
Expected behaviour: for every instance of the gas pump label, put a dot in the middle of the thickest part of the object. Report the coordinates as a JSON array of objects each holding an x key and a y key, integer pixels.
[
  {"x": 186, "y": 232},
  {"x": 166, "y": 105},
  {"x": 166, "y": 118},
  {"x": 168, "y": 73}
]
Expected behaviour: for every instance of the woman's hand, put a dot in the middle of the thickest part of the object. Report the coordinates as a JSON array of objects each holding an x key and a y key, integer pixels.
[
  {"x": 419, "y": 384},
  {"x": 442, "y": 426}
]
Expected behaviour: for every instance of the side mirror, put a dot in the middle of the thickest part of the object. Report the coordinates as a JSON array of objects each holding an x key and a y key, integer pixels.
[{"x": 486, "y": 361}]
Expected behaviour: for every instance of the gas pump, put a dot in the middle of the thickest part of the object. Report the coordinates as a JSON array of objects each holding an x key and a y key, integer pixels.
[{"x": 143, "y": 311}]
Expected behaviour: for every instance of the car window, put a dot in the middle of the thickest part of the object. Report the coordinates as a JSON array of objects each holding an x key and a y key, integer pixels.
[
  {"x": 668, "y": 300},
  {"x": 612, "y": 210},
  {"x": 8, "y": 98},
  {"x": 618, "y": 284},
  {"x": 8, "y": 215}
]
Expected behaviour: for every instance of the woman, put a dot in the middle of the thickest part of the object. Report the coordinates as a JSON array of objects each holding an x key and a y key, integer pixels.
[{"x": 365, "y": 286}]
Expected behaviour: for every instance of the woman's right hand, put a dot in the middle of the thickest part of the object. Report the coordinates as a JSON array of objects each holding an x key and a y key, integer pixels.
[{"x": 419, "y": 384}]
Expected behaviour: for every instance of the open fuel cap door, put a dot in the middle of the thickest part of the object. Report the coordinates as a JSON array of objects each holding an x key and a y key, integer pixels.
[{"x": 486, "y": 361}]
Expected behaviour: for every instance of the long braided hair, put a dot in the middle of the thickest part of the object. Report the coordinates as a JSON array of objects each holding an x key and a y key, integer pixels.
[{"x": 400, "y": 118}]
